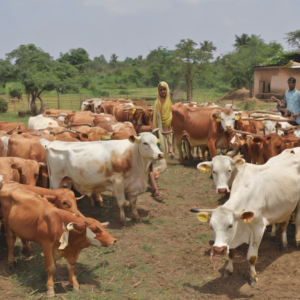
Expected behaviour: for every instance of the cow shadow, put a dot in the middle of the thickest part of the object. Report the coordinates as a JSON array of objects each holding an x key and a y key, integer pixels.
[
  {"x": 30, "y": 273},
  {"x": 110, "y": 212},
  {"x": 231, "y": 287}
]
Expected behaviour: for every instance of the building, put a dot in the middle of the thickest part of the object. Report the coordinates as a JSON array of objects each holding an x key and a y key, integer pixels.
[{"x": 272, "y": 80}]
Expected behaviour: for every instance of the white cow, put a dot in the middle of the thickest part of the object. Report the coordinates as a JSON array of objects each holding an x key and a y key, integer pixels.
[
  {"x": 223, "y": 171},
  {"x": 261, "y": 195},
  {"x": 40, "y": 122},
  {"x": 120, "y": 166},
  {"x": 5, "y": 140}
]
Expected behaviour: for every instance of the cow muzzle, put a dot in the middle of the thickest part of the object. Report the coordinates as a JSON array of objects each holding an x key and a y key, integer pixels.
[
  {"x": 229, "y": 128},
  {"x": 160, "y": 155},
  {"x": 219, "y": 250},
  {"x": 222, "y": 191}
]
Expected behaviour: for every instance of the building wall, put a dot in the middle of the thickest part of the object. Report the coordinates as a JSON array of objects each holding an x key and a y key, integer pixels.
[{"x": 275, "y": 79}]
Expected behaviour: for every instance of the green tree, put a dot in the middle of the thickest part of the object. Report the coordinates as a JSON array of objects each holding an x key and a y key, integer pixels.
[
  {"x": 242, "y": 40},
  {"x": 191, "y": 61},
  {"x": 37, "y": 72},
  {"x": 293, "y": 39},
  {"x": 101, "y": 59},
  {"x": 113, "y": 60},
  {"x": 75, "y": 57},
  {"x": 207, "y": 46}
]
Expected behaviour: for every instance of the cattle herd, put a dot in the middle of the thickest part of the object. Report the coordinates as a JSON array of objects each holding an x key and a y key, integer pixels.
[{"x": 110, "y": 146}]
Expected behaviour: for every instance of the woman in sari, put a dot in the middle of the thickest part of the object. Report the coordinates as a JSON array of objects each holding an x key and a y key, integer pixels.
[{"x": 162, "y": 117}]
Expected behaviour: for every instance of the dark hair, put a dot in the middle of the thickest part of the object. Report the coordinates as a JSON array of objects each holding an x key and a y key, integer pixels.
[{"x": 292, "y": 79}]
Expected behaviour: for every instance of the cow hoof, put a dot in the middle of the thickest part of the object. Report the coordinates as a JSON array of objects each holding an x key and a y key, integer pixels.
[
  {"x": 284, "y": 249},
  {"x": 76, "y": 288},
  {"x": 50, "y": 292},
  {"x": 227, "y": 274},
  {"x": 252, "y": 282}
]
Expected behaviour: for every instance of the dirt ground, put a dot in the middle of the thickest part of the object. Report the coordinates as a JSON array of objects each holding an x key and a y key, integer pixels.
[{"x": 165, "y": 256}]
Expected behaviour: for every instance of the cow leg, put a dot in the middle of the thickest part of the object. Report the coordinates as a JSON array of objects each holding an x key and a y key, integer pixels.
[
  {"x": 72, "y": 278},
  {"x": 10, "y": 240},
  {"x": 91, "y": 201},
  {"x": 252, "y": 254},
  {"x": 134, "y": 214},
  {"x": 178, "y": 143},
  {"x": 297, "y": 225},
  {"x": 26, "y": 248},
  {"x": 120, "y": 196},
  {"x": 284, "y": 226},
  {"x": 99, "y": 199},
  {"x": 229, "y": 267},
  {"x": 203, "y": 150},
  {"x": 50, "y": 268},
  {"x": 273, "y": 231},
  {"x": 212, "y": 148},
  {"x": 189, "y": 150},
  {"x": 184, "y": 145}
]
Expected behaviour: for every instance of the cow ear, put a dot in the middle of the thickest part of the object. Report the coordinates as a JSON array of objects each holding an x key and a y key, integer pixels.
[
  {"x": 41, "y": 164},
  {"x": 203, "y": 216},
  {"x": 16, "y": 167},
  {"x": 78, "y": 228},
  {"x": 247, "y": 216},
  {"x": 217, "y": 117},
  {"x": 205, "y": 166},
  {"x": 91, "y": 237},
  {"x": 133, "y": 139},
  {"x": 238, "y": 162},
  {"x": 50, "y": 198}
]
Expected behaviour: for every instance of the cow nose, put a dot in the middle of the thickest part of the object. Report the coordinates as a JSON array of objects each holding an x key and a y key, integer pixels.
[
  {"x": 222, "y": 191},
  {"x": 161, "y": 155},
  {"x": 114, "y": 241},
  {"x": 228, "y": 127},
  {"x": 219, "y": 250}
]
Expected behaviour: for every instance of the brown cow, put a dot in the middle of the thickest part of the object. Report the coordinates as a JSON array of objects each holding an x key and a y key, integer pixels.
[
  {"x": 20, "y": 170},
  {"x": 11, "y": 126},
  {"x": 104, "y": 120},
  {"x": 202, "y": 127},
  {"x": 59, "y": 232},
  {"x": 61, "y": 198},
  {"x": 19, "y": 146},
  {"x": 121, "y": 131},
  {"x": 80, "y": 117}
]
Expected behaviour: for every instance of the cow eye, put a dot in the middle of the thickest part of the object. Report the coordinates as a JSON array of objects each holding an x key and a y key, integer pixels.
[
  {"x": 64, "y": 203},
  {"x": 230, "y": 226},
  {"x": 214, "y": 172},
  {"x": 145, "y": 143},
  {"x": 222, "y": 119},
  {"x": 229, "y": 170}
]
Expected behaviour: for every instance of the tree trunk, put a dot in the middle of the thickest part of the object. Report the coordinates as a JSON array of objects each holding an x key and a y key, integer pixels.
[
  {"x": 33, "y": 104},
  {"x": 43, "y": 104},
  {"x": 188, "y": 89}
]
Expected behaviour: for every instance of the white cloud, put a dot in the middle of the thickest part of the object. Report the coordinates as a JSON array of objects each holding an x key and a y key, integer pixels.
[{"x": 228, "y": 22}]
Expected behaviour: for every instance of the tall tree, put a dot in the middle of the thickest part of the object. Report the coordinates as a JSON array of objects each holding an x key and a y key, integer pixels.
[
  {"x": 113, "y": 60},
  {"x": 191, "y": 61},
  {"x": 75, "y": 57},
  {"x": 38, "y": 72},
  {"x": 101, "y": 59},
  {"x": 293, "y": 39},
  {"x": 242, "y": 40},
  {"x": 207, "y": 46}
]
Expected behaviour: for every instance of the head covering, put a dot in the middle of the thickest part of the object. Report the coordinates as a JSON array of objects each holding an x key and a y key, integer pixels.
[{"x": 162, "y": 109}]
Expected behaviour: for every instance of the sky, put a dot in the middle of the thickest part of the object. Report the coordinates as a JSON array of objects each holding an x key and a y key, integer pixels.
[{"x": 130, "y": 28}]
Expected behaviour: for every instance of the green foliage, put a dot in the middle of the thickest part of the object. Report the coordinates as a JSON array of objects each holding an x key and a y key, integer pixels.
[
  {"x": 75, "y": 57},
  {"x": 3, "y": 106},
  {"x": 293, "y": 39},
  {"x": 15, "y": 89},
  {"x": 242, "y": 40},
  {"x": 281, "y": 58}
]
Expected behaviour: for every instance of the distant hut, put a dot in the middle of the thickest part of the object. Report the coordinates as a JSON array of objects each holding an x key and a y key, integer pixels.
[{"x": 272, "y": 80}]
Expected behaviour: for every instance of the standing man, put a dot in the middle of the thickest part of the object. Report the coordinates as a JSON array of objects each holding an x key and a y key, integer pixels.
[{"x": 291, "y": 100}]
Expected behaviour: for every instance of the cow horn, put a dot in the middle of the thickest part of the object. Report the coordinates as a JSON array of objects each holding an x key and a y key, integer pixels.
[
  {"x": 264, "y": 112},
  {"x": 79, "y": 124},
  {"x": 78, "y": 198},
  {"x": 65, "y": 130},
  {"x": 13, "y": 129}
]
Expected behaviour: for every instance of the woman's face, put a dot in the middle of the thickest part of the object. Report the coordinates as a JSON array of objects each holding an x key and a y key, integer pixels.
[{"x": 162, "y": 92}]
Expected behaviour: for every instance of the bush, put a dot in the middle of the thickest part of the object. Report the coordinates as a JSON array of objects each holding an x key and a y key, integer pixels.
[
  {"x": 3, "y": 105},
  {"x": 249, "y": 105},
  {"x": 15, "y": 90}
]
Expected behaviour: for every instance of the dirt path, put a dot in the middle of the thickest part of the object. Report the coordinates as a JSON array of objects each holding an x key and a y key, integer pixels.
[{"x": 166, "y": 256}]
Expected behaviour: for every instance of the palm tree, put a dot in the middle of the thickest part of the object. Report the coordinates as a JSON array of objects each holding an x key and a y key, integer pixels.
[
  {"x": 242, "y": 40},
  {"x": 207, "y": 46}
]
